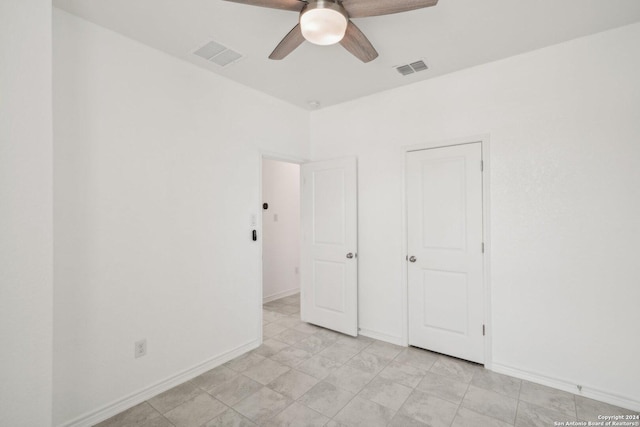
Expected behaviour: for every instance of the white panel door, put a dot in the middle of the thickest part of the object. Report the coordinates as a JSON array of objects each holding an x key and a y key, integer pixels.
[
  {"x": 329, "y": 273},
  {"x": 445, "y": 268}
]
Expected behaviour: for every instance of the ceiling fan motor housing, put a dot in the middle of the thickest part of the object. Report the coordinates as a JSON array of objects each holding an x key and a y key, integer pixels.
[{"x": 323, "y": 22}]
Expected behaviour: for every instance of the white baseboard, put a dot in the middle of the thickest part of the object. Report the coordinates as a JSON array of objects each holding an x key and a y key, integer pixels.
[
  {"x": 108, "y": 411},
  {"x": 279, "y": 295},
  {"x": 560, "y": 384},
  {"x": 381, "y": 336}
]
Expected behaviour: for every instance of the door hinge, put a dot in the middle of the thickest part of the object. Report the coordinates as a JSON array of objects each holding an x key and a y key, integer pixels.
[
  {"x": 481, "y": 165},
  {"x": 482, "y": 247},
  {"x": 483, "y": 330}
]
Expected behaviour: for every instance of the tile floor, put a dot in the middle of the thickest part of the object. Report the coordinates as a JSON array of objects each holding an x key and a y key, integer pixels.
[{"x": 308, "y": 376}]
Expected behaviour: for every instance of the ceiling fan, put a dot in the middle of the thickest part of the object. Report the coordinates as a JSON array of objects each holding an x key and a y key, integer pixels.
[{"x": 326, "y": 22}]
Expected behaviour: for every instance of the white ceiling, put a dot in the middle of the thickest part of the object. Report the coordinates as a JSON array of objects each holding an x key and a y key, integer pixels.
[{"x": 453, "y": 35}]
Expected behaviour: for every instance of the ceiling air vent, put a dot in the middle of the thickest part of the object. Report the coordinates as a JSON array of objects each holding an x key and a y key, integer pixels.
[
  {"x": 218, "y": 54},
  {"x": 414, "y": 67}
]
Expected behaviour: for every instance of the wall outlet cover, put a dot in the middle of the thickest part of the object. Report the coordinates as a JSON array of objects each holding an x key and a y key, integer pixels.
[{"x": 140, "y": 348}]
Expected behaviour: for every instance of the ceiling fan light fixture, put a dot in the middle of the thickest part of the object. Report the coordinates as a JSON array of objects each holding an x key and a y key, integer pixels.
[{"x": 323, "y": 22}]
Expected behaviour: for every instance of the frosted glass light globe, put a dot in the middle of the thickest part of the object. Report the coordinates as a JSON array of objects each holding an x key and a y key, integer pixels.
[{"x": 323, "y": 25}]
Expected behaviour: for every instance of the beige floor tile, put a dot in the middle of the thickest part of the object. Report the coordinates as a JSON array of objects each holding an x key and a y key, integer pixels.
[
  {"x": 428, "y": 409},
  {"x": 135, "y": 416},
  {"x": 589, "y": 409},
  {"x": 270, "y": 347},
  {"x": 244, "y": 362},
  {"x": 236, "y": 389},
  {"x": 498, "y": 383},
  {"x": 196, "y": 412},
  {"x": 403, "y": 421},
  {"x": 314, "y": 344},
  {"x": 291, "y": 356},
  {"x": 443, "y": 387},
  {"x": 364, "y": 413},
  {"x": 272, "y": 316},
  {"x": 547, "y": 397},
  {"x": 230, "y": 418},
  {"x": 468, "y": 418},
  {"x": 339, "y": 352},
  {"x": 261, "y": 406},
  {"x": 368, "y": 362},
  {"x": 291, "y": 299},
  {"x": 266, "y": 371},
  {"x": 403, "y": 373},
  {"x": 384, "y": 350},
  {"x": 422, "y": 359},
  {"x": 293, "y": 384},
  {"x": 289, "y": 322},
  {"x": 350, "y": 379},
  {"x": 358, "y": 343},
  {"x": 290, "y": 336},
  {"x": 491, "y": 404},
  {"x": 327, "y": 333},
  {"x": 386, "y": 393},
  {"x": 297, "y": 415},
  {"x": 307, "y": 328},
  {"x": 164, "y": 402},
  {"x": 289, "y": 309},
  {"x": 272, "y": 329},
  {"x": 214, "y": 377},
  {"x": 157, "y": 422},
  {"x": 455, "y": 368},
  {"x": 326, "y": 398},
  {"x": 318, "y": 367},
  {"x": 530, "y": 415}
]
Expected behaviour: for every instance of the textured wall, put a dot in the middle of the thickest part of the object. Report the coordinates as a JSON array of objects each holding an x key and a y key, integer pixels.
[
  {"x": 26, "y": 229},
  {"x": 156, "y": 180},
  {"x": 565, "y": 201}
]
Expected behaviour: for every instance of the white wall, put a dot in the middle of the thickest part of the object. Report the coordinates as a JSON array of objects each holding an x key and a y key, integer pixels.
[
  {"x": 156, "y": 174},
  {"x": 281, "y": 236},
  {"x": 156, "y": 177},
  {"x": 26, "y": 229},
  {"x": 565, "y": 202}
]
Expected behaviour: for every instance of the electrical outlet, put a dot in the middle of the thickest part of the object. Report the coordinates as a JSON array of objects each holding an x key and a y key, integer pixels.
[
  {"x": 275, "y": 217},
  {"x": 140, "y": 348},
  {"x": 297, "y": 270}
]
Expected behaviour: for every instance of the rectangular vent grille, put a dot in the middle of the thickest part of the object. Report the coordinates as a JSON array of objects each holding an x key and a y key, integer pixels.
[
  {"x": 414, "y": 67},
  {"x": 218, "y": 54}
]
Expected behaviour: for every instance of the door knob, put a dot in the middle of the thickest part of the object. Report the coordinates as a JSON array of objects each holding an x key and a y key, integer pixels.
[
  {"x": 349, "y": 255},
  {"x": 412, "y": 259}
]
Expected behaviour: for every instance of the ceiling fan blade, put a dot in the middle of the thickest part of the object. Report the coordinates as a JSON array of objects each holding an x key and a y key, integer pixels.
[
  {"x": 358, "y": 44},
  {"x": 294, "y": 5},
  {"x": 363, "y": 8},
  {"x": 288, "y": 43}
]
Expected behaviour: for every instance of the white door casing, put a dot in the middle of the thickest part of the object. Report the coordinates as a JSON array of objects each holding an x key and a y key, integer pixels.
[
  {"x": 445, "y": 239},
  {"x": 329, "y": 269}
]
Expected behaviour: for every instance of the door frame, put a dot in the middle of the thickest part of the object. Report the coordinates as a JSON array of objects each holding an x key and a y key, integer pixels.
[
  {"x": 266, "y": 155},
  {"x": 484, "y": 140}
]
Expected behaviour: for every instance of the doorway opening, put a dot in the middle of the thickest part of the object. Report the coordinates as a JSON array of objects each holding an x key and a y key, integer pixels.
[
  {"x": 309, "y": 245},
  {"x": 280, "y": 230}
]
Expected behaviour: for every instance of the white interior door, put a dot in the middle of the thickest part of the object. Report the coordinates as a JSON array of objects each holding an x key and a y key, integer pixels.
[
  {"x": 445, "y": 249},
  {"x": 329, "y": 269}
]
